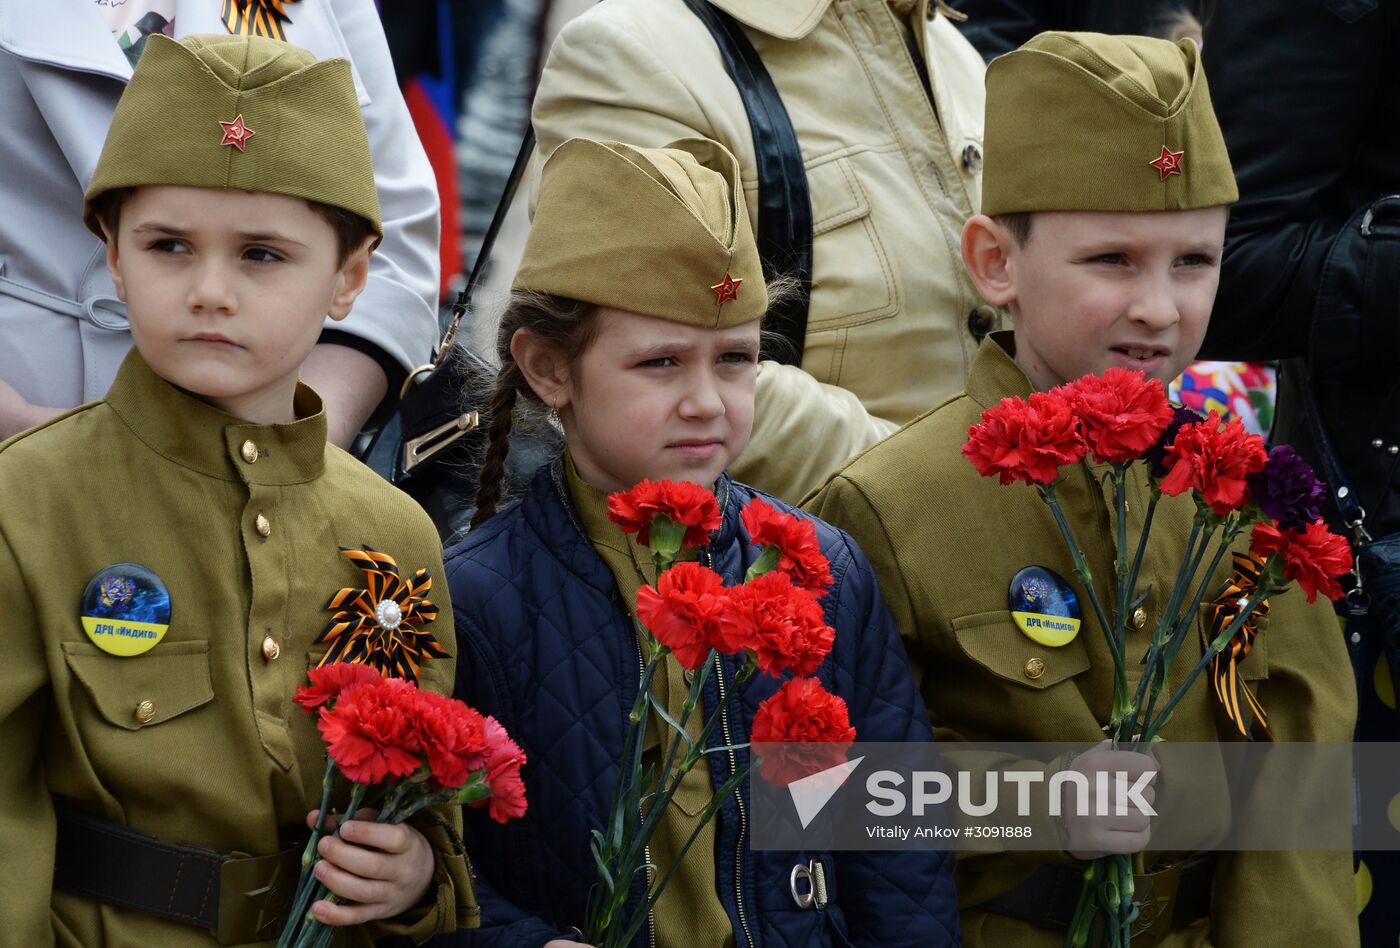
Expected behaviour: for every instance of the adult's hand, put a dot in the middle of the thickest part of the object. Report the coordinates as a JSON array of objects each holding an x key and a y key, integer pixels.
[
  {"x": 17, "y": 414},
  {"x": 350, "y": 383}
]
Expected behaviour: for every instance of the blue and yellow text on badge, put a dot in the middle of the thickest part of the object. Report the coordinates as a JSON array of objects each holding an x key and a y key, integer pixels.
[
  {"x": 126, "y": 609},
  {"x": 1044, "y": 606}
]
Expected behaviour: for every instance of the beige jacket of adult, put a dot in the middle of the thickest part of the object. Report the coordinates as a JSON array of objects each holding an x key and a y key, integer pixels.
[
  {"x": 893, "y": 176},
  {"x": 195, "y": 740},
  {"x": 946, "y": 542}
]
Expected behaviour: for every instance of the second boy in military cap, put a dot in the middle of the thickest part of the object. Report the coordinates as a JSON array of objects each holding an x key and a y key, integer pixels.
[{"x": 1107, "y": 183}]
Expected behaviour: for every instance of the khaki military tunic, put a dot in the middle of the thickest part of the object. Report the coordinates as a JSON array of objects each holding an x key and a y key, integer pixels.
[
  {"x": 197, "y": 740},
  {"x": 946, "y": 542}
]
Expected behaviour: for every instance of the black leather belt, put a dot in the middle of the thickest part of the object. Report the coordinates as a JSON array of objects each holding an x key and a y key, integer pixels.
[
  {"x": 240, "y": 899},
  {"x": 1171, "y": 898}
]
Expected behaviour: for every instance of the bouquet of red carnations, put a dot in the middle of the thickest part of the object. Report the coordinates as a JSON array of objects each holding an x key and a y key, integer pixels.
[
  {"x": 1122, "y": 419},
  {"x": 419, "y": 748},
  {"x": 774, "y": 619}
]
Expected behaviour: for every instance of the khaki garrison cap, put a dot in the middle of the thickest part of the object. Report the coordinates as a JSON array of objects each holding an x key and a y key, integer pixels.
[
  {"x": 1088, "y": 122},
  {"x": 246, "y": 112},
  {"x": 657, "y": 231}
]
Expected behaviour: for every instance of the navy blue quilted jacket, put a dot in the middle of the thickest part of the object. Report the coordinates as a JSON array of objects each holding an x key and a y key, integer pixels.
[{"x": 546, "y": 646}]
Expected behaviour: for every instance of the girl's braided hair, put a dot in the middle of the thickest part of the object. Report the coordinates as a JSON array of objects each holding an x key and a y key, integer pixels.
[{"x": 567, "y": 325}]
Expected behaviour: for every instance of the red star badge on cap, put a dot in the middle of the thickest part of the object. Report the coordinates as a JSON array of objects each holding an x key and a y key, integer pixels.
[
  {"x": 726, "y": 290},
  {"x": 236, "y": 133},
  {"x": 1168, "y": 163}
]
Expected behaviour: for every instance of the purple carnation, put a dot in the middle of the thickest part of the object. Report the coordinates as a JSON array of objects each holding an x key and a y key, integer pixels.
[
  {"x": 1157, "y": 454},
  {"x": 1287, "y": 489}
]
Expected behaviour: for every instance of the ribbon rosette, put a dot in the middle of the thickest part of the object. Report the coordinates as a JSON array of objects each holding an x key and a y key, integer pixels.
[{"x": 377, "y": 625}]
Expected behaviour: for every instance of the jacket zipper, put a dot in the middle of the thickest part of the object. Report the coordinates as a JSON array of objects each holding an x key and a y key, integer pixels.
[
  {"x": 646, "y": 851},
  {"x": 739, "y": 800}
]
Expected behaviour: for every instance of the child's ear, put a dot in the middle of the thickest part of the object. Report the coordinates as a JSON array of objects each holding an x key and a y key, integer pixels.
[
  {"x": 986, "y": 248},
  {"x": 113, "y": 267},
  {"x": 350, "y": 280},
  {"x": 545, "y": 368}
]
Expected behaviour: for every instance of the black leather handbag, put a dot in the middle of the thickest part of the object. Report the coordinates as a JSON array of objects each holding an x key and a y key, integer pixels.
[{"x": 432, "y": 446}]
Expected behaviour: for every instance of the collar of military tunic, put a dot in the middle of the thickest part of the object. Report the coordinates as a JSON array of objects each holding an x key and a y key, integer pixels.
[
  {"x": 198, "y": 436},
  {"x": 995, "y": 374}
]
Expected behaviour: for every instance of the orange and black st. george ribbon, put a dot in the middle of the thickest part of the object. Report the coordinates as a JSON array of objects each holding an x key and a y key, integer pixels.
[
  {"x": 379, "y": 624},
  {"x": 1235, "y": 697},
  {"x": 256, "y": 18}
]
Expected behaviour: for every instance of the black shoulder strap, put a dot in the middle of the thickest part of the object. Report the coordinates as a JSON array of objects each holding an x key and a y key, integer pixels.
[{"x": 784, "y": 205}]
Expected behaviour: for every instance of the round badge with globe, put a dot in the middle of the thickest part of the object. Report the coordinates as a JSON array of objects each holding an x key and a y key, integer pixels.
[
  {"x": 126, "y": 609},
  {"x": 1044, "y": 606}
]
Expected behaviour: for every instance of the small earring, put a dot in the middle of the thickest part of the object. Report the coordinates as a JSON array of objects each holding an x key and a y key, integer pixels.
[{"x": 554, "y": 418}]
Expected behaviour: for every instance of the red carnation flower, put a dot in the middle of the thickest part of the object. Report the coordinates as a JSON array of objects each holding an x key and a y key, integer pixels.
[
  {"x": 1313, "y": 557},
  {"x": 1122, "y": 413},
  {"x": 684, "y": 611},
  {"x": 781, "y": 624},
  {"x": 1214, "y": 461},
  {"x": 1029, "y": 441},
  {"x": 688, "y": 505},
  {"x": 328, "y": 681},
  {"x": 810, "y": 727},
  {"x": 371, "y": 732},
  {"x": 800, "y": 556},
  {"x": 452, "y": 736},
  {"x": 502, "y": 760}
]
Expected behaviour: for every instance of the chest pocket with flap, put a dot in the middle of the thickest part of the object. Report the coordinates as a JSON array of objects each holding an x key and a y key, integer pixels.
[
  {"x": 850, "y": 264},
  {"x": 992, "y": 641},
  {"x": 173, "y": 677}
]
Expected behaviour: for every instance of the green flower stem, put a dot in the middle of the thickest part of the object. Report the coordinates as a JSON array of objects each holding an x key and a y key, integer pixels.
[
  {"x": 665, "y": 537},
  {"x": 1136, "y": 568},
  {"x": 634, "y": 717},
  {"x": 1217, "y": 645},
  {"x": 621, "y": 824},
  {"x": 1082, "y": 922},
  {"x": 665, "y": 791},
  {"x": 1196, "y": 546},
  {"x": 1120, "y": 558},
  {"x": 631, "y": 776},
  {"x": 311, "y": 929},
  {"x": 326, "y": 936},
  {"x": 1086, "y": 578},
  {"x": 308, "y": 855},
  {"x": 766, "y": 562},
  {"x": 657, "y": 887},
  {"x": 1227, "y": 540},
  {"x": 1182, "y": 630},
  {"x": 1109, "y": 897},
  {"x": 1127, "y": 911},
  {"x": 631, "y": 854}
]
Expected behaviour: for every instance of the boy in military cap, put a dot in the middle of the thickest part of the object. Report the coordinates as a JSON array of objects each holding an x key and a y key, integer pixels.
[
  {"x": 1105, "y": 193},
  {"x": 167, "y": 553}
]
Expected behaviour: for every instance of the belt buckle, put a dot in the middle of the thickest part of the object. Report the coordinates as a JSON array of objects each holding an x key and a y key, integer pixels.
[
  {"x": 255, "y": 893},
  {"x": 1154, "y": 893}
]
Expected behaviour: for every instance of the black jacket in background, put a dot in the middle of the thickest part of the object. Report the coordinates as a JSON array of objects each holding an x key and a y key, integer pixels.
[
  {"x": 1308, "y": 94},
  {"x": 999, "y": 26}
]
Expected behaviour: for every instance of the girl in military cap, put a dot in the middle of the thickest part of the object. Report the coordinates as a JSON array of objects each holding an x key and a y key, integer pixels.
[{"x": 635, "y": 325}]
